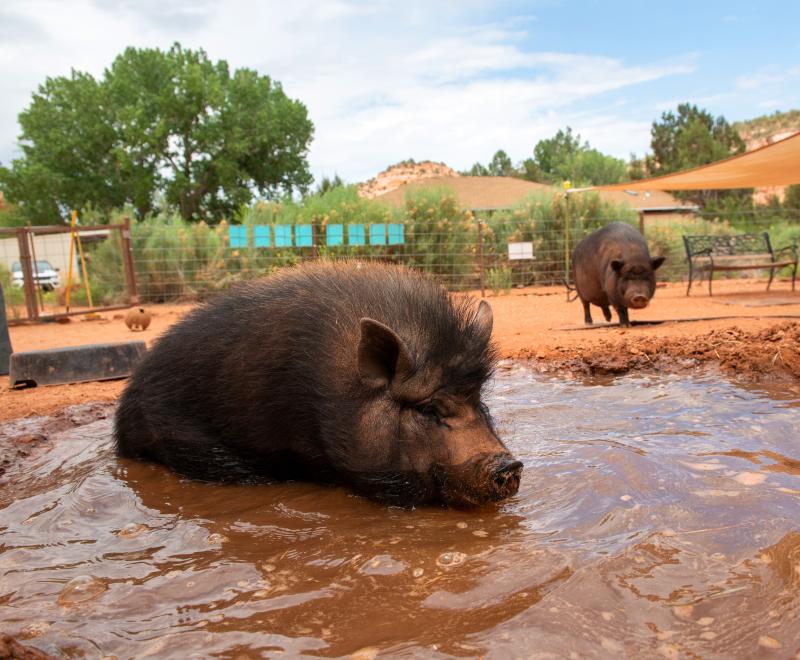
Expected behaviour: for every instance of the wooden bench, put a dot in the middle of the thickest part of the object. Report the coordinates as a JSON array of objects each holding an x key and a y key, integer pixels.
[{"x": 709, "y": 254}]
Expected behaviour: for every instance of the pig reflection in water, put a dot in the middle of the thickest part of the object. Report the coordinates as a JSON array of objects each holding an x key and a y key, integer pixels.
[{"x": 367, "y": 375}]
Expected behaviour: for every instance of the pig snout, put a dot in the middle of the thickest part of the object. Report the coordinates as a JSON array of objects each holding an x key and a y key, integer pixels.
[
  {"x": 507, "y": 473},
  {"x": 639, "y": 302},
  {"x": 481, "y": 480}
]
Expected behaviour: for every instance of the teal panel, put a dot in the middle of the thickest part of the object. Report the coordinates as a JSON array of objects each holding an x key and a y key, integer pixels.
[
  {"x": 377, "y": 234},
  {"x": 237, "y": 236},
  {"x": 283, "y": 235},
  {"x": 334, "y": 235},
  {"x": 303, "y": 236},
  {"x": 356, "y": 235},
  {"x": 261, "y": 236},
  {"x": 396, "y": 234}
]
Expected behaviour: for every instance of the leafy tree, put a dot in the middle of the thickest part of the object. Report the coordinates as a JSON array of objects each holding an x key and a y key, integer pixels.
[
  {"x": 554, "y": 155},
  {"x": 67, "y": 144},
  {"x": 791, "y": 202},
  {"x": 637, "y": 168},
  {"x": 168, "y": 124},
  {"x": 565, "y": 158},
  {"x": 477, "y": 170},
  {"x": 560, "y": 158},
  {"x": 326, "y": 184},
  {"x": 529, "y": 170},
  {"x": 689, "y": 138},
  {"x": 693, "y": 137},
  {"x": 501, "y": 165}
]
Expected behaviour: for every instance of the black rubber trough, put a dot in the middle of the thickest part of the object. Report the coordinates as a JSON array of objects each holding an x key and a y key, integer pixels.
[
  {"x": 75, "y": 364},
  {"x": 5, "y": 340}
]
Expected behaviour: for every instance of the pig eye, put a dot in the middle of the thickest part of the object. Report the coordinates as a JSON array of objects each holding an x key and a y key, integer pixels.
[{"x": 431, "y": 411}]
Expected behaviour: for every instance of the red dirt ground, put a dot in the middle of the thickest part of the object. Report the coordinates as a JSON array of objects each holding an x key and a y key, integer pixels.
[{"x": 534, "y": 323}]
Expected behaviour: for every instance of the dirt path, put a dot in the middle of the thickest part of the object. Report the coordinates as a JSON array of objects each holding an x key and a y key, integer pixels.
[{"x": 534, "y": 323}]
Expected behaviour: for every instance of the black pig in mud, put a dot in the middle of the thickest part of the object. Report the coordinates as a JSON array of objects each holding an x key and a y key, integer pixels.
[
  {"x": 612, "y": 267},
  {"x": 364, "y": 375}
]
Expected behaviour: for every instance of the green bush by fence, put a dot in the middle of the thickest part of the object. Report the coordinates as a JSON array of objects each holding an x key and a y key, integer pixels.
[{"x": 176, "y": 259}]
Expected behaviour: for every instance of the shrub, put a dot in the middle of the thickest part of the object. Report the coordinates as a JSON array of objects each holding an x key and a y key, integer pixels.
[
  {"x": 441, "y": 238},
  {"x": 499, "y": 279},
  {"x": 554, "y": 223},
  {"x": 14, "y": 297}
]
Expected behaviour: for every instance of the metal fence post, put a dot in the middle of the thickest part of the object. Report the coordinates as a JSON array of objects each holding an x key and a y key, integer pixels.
[
  {"x": 567, "y": 229},
  {"x": 127, "y": 259},
  {"x": 28, "y": 285},
  {"x": 481, "y": 267},
  {"x": 314, "y": 234}
]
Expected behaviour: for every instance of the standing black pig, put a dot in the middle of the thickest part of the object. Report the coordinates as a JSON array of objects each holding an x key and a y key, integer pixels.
[
  {"x": 612, "y": 266},
  {"x": 366, "y": 375}
]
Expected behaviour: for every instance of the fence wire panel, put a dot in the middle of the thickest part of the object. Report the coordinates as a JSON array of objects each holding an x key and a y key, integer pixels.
[
  {"x": 38, "y": 263},
  {"x": 175, "y": 263}
]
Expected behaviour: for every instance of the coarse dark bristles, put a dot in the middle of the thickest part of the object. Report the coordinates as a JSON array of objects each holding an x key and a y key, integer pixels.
[
  {"x": 264, "y": 379},
  {"x": 439, "y": 329}
]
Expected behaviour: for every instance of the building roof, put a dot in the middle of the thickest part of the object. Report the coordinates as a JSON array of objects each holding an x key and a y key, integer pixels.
[
  {"x": 502, "y": 192},
  {"x": 472, "y": 192},
  {"x": 646, "y": 200}
]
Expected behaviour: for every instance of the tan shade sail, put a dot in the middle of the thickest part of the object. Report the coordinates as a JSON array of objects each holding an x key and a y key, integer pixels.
[{"x": 776, "y": 164}]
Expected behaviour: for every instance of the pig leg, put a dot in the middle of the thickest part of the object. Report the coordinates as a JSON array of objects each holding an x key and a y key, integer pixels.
[
  {"x": 622, "y": 312},
  {"x": 587, "y": 315},
  {"x": 606, "y": 313}
]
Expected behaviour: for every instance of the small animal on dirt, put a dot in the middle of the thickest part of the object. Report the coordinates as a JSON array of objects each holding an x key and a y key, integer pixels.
[
  {"x": 612, "y": 267},
  {"x": 363, "y": 375},
  {"x": 138, "y": 319}
]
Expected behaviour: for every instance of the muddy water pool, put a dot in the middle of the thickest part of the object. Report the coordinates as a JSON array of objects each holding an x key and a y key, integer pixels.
[{"x": 656, "y": 516}]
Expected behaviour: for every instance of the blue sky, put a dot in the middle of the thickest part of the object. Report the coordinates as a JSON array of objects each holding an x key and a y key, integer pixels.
[{"x": 447, "y": 81}]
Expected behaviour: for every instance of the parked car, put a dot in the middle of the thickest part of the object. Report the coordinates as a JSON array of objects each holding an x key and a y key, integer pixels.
[{"x": 43, "y": 274}]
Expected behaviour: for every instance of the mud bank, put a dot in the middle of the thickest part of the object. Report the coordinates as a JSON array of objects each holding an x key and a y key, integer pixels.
[{"x": 772, "y": 354}]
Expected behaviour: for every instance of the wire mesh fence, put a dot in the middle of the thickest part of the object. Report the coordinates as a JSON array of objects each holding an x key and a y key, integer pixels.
[
  {"x": 49, "y": 272},
  {"x": 177, "y": 261},
  {"x": 489, "y": 252}
]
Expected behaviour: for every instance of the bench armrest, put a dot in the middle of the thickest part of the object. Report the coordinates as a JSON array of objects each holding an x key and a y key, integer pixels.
[{"x": 788, "y": 248}]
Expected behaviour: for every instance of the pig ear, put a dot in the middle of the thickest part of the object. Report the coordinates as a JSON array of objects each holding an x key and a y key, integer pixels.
[
  {"x": 484, "y": 319},
  {"x": 382, "y": 355},
  {"x": 657, "y": 262},
  {"x": 617, "y": 264}
]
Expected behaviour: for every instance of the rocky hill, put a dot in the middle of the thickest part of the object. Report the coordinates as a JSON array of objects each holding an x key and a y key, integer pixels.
[
  {"x": 766, "y": 130},
  {"x": 400, "y": 174}
]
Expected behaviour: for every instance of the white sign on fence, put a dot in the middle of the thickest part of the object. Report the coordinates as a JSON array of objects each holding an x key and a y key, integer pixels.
[{"x": 520, "y": 251}]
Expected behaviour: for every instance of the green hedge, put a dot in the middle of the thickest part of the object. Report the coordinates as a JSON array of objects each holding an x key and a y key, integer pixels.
[{"x": 176, "y": 259}]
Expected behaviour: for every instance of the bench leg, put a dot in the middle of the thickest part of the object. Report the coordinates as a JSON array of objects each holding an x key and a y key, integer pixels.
[
  {"x": 794, "y": 275},
  {"x": 710, "y": 277},
  {"x": 689, "y": 288},
  {"x": 771, "y": 275}
]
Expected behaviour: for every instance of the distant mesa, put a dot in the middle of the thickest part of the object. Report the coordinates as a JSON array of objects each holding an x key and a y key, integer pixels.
[
  {"x": 487, "y": 193},
  {"x": 765, "y": 130},
  {"x": 397, "y": 175}
]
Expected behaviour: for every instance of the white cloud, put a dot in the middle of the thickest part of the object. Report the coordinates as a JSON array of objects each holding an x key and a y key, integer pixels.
[
  {"x": 766, "y": 77},
  {"x": 771, "y": 104},
  {"x": 382, "y": 83}
]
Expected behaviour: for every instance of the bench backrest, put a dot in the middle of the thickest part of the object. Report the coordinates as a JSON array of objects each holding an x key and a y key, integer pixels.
[{"x": 738, "y": 244}]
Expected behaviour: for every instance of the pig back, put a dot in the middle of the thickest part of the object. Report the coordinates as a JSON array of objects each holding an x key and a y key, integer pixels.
[{"x": 272, "y": 365}]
